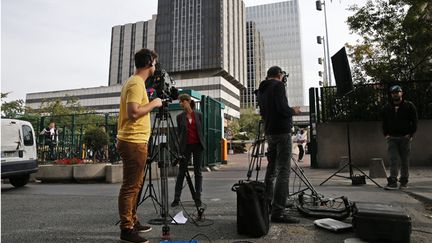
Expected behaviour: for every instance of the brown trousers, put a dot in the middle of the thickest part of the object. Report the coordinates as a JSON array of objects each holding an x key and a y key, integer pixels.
[{"x": 134, "y": 156}]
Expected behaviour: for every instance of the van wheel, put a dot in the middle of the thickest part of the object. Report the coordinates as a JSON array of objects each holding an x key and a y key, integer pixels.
[{"x": 19, "y": 181}]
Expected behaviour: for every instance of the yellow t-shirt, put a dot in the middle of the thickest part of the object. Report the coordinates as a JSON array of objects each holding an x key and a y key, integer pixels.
[{"x": 138, "y": 131}]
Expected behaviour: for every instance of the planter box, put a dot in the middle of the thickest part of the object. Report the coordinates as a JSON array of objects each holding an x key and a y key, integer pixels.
[
  {"x": 55, "y": 173},
  {"x": 89, "y": 172},
  {"x": 114, "y": 173},
  {"x": 110, "y": 173}
]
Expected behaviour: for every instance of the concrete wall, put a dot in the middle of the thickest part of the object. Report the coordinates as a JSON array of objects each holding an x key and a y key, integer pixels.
[{"x": 367, "y": 142}]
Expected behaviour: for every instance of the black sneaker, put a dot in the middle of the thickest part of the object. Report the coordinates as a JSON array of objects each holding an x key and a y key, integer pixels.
[
  {"x": 175, "y": 203},
  {"x": 391, "y": 184},
  {"x": 142, "y": 228},
  {"x": 403, "y": 182},
  {"x": 284, "y": 219},
  {"x": 130, "y": 235},
  {"x": 403, "y": 185}
]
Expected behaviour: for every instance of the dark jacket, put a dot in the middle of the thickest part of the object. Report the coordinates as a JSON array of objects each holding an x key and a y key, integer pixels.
[
  {"x": 401, "y": 122},
  {"x": 182, "y": 129},
  {"x": 274, "y": 108}
]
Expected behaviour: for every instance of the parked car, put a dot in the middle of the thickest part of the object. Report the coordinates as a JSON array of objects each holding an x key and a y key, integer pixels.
[{"x": 18, "y": 151}]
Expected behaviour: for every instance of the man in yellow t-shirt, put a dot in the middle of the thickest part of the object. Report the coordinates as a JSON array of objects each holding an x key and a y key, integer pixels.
[{"x": 132, "y": 137}]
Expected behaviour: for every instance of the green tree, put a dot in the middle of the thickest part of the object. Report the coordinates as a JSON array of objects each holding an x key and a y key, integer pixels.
[
  {"x": 249, "y": 121},
  {"x": 246, "y": 125},
  {"x": 11, "y": 109},
  {"x": 57, "y": 108},
  {"x": 95, "y": 138},
  {"x": 396, "y": 40}
]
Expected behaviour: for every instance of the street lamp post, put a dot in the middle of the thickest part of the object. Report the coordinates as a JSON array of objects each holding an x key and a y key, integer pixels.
[
  {"x": 321, "y": 40},
  {"x": 319, "y": 5}
]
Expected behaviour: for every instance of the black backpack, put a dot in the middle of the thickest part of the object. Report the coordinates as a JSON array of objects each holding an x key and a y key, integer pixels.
[{"x": 252, "y": 208}]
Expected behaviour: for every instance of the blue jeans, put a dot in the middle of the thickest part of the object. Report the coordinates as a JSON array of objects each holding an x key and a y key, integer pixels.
[
  {"x": 279, "y": 167},
  {"x": 399, "y": 147}
]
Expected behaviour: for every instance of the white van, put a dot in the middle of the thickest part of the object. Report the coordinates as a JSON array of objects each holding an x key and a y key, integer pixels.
[{"x": 18, "y": 151}]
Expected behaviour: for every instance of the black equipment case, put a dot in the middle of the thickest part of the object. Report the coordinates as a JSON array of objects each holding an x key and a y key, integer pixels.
[
  {"x": 252, "y": 208},
  {"x": 381, "y": 223}
]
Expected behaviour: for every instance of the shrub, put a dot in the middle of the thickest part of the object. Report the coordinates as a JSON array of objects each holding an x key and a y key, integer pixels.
[{"x": 95, "y": 139}]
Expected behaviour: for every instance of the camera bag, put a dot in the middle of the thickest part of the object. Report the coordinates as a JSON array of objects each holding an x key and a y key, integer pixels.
[
  {"x": 381, "y": 223},
  {"x": 252, "y": 208}
]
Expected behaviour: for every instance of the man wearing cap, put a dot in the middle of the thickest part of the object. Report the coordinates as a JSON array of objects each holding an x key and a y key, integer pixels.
[
  {"x": 277, "y": 116},
  {"x": 399, "y": 126}
]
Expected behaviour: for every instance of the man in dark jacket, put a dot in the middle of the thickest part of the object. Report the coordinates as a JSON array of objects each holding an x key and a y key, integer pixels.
[
  {"x": 399, "y": 126},
  {"x": 277, "y": 116}
]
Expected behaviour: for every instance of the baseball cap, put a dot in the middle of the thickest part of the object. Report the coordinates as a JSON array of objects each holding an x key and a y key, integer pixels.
[
  {"x": 274, "y": 71},
  {"x": 395, "y": 88}
]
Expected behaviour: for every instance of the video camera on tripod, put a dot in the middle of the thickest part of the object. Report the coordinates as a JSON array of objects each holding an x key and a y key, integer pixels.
[{"x": 160, "y": 85}]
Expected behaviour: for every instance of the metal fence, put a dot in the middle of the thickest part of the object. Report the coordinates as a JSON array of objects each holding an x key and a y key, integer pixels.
[
  {"x": 366, "y": 101},
  {"x": 71, "y": 130}
]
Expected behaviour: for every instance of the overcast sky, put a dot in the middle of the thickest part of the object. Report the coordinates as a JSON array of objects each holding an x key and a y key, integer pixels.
[{"x": 51, "y": 45}]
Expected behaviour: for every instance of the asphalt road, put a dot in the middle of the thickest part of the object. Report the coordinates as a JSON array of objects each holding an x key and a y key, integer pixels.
[{"x": 88, "y": 212}]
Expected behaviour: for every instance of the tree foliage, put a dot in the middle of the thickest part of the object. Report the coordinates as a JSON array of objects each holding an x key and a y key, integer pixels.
[
  {"x": 11, "y": 109},
  {"x": 246, "y": 125},
  {"x": 396, "y": 40},
  {"x": 95, "y": 138},
  {"x": 249, "y": 121},
  {"x": 58, "y": 108}
]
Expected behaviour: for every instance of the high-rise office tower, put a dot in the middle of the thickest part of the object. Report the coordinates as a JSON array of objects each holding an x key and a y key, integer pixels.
[
  {"x": 279, "y": 25},
  {"x": 125, "y": 41},
  {"x": 255, "y": 65},
  {"x": 202, "y": 44}
]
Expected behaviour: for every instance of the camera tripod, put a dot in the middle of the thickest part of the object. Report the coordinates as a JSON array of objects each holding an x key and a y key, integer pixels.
[
  {"x": 164, "y": 148},
  {"x": 150, "y": 192},
  {"x": 258, "y": 152},
  {"x": 312, "y": 204}
]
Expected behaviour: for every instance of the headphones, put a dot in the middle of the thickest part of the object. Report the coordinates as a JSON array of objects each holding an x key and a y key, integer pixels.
[{"x": 150, "y": 62}]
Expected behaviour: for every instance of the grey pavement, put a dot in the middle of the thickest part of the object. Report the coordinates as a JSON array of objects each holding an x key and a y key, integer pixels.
[{"x": 88, "y": 212}]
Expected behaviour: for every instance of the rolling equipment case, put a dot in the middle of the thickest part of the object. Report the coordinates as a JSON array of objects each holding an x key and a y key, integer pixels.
[{"x": 381, "y": 223}]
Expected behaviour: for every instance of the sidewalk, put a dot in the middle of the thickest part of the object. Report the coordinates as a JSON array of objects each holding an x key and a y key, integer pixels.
[
  {"x": 419, "y": 187},
  {"x": 416, "y": 199}
]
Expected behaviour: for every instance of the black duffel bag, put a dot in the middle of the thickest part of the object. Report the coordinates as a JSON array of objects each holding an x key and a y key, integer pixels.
[{"x": 252, "y": 208}]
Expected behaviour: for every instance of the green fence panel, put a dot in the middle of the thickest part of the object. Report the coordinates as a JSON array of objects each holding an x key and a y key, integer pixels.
[{"x": 212, "y": 126}]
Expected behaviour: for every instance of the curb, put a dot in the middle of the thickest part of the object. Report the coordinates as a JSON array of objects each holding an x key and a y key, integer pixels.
[{"x": 420, "y": 196}]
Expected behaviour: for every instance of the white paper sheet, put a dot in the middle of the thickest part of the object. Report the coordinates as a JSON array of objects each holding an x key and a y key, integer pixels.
[{"x": 179, "y": 218}]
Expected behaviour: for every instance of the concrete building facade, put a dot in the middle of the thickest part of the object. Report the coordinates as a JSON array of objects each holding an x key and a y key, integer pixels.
[
  {"x": 204, "y": 41},
  {"x": 125, "y": 41},
  {"x": 99, "y": 99},
  {"x": 255, "y": 65},
  {"x": 279, "y": 25},
  {"x": 201, "y": 43}
]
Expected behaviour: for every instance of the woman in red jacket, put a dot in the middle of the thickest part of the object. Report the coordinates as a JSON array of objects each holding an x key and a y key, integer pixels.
[{"x": 191, "y": 140}]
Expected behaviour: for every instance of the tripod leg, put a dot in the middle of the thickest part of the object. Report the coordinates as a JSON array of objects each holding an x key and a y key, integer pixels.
[
  {"x": 300, "y": 173},
  {"x": 149, "y": 189},
  {"x": 252, "y": 161},
  {"x": 334, "y": 174},
  {"x": 367, "y": 176}
]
